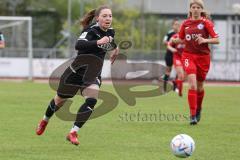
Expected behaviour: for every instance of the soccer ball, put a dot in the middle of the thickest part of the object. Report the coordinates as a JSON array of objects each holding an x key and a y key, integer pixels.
[{"x": 182, "y": 145}]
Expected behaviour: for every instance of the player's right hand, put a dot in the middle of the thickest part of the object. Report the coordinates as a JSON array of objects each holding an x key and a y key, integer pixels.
[{"x": 104, "y": 40}]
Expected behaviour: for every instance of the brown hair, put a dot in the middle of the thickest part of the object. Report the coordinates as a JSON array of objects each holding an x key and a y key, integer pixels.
[
  {"x": 175, "y": 20},
  {"x": 87, "y": 18},
  {"x": 204, "y": 13}
]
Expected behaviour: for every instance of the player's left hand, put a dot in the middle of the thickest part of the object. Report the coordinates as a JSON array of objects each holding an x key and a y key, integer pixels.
[
  {"x": 175, "y": 40},
  {"x": 114, "y": 55},
  {"x": 201, "y": 40}
]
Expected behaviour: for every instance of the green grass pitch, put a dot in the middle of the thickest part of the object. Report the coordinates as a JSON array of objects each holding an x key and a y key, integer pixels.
[{"x": 126, "y": 133}]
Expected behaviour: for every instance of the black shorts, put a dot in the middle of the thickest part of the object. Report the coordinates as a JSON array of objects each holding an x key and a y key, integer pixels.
[
  {"x": 169, "y": 59},
  {"x": 71, "y": 82}
]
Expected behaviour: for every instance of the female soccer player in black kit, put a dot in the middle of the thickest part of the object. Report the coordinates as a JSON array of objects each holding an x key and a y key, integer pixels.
[
  {"x": 2, "y": 42},
  {"x": 95, "y": 40},
  {"x": 169, "y": 54}
]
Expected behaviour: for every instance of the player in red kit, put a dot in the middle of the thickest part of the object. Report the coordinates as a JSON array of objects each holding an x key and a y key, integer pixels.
[
  {"x": 177, "y": 50},
  {"x": 196, "y": 32}
]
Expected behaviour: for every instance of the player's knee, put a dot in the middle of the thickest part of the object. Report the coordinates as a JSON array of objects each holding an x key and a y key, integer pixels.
[
  {"x": 168, "y": 70},
  {"x": 59, "y": 101},
  {"x": 192, "y": 82},
  {"x": 91, "y": 102},
  {"x": 181, "y": 77},
  {"x": 193, "y": 87},
  {"x": 200, "y": 88}
]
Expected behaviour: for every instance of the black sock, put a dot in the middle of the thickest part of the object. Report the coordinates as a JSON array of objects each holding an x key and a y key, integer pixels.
[
  {"x": 85, "y": 112},
  {"x": 174, "y": 83},
  {"x": 52, "y": 107},
  {"x": 166, "y": 77}
]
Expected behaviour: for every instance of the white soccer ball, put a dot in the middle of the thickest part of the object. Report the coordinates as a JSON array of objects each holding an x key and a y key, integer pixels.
[{"x": 182, "y": 145}]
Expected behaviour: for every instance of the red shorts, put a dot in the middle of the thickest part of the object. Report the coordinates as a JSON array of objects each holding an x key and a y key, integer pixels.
[
  {"x": 177, "y": 60},
  {"x": 196, "y": 64}
]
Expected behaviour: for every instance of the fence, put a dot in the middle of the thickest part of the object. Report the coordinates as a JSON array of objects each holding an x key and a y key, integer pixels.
[{"x": 14, "y": 63}]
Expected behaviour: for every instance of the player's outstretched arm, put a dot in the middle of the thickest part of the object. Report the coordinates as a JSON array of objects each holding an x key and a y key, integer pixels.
[
  {"x": 202, "y": 40},
  {"x": 113, "y": 55}
]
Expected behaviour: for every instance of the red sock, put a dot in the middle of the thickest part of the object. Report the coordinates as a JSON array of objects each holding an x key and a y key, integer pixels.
[
  {"x": 179, "y": 86},
  {"x": 200, "y": 96},
  {"x": 192, "y": 101}
]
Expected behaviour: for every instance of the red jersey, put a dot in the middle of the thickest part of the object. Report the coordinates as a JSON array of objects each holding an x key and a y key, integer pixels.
[
  {"x": 191, "y": 29},
  {"x": 179, "y": 47}
]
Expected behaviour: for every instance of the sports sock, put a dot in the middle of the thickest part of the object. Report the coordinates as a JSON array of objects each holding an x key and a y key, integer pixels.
[
  {"x": 74, "y": 129},
  {"x": 45, "y": 118},
  {"x": 52, "y": 108},
  {"x": 192, "y": 101},
  {"x": 200, "y": 96},
  {"x": 165, "y": 79},
  {"x": 85, "y": 112},
  {"x": 179, "y": 86}
]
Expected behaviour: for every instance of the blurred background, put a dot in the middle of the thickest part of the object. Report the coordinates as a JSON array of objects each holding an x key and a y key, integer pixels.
[{"x": 40, "y": 35}]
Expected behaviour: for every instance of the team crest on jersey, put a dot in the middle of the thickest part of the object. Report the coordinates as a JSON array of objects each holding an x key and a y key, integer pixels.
[
  {"x": 200, "y": 26},
  {"x": 108, "y": 46}
]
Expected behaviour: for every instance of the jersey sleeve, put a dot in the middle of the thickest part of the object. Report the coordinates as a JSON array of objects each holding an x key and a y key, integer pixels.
[
  {"x": 166, "y": 38},
  {"x": 182, "y": 31},
  {"x": 210, "y": 29},
  {"x": 86, "y": 40},
  {"x": 170, "y": 43}
]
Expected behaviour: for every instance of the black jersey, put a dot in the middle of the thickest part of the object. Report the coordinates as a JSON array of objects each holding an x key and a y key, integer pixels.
[
  {"x": 87, "y": 41},
  {"x": 86, "y": 68},
  {"x": 168, "y": 36},
  {"x": 169, "y": 54}
]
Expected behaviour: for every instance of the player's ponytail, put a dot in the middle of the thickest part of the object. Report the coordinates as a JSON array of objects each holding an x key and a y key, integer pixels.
[{"x": 87, "y": 18}]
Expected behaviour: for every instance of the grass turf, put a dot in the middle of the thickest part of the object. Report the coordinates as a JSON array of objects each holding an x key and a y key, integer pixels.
[{"x": 126, "y": 133}]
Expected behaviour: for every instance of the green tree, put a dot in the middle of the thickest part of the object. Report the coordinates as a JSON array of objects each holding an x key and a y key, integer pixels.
[{"x": 50, "y": 19}]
